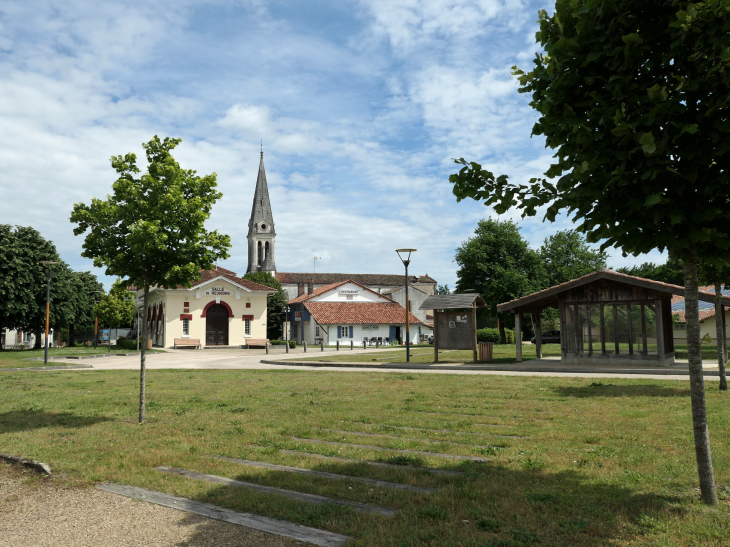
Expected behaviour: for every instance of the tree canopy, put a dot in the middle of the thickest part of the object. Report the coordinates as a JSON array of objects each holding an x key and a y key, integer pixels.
[
  {"x": 566, "y": 255},
  {"x": 151, "y": 230},
  {"x": 672, "y": 271},
  {"x": 117, "y": 307},
  {"x": 275, "y": 303}
]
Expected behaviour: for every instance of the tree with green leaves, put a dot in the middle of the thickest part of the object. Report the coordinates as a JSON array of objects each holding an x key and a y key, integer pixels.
[
  {"x": 566, "y": 255},
  {"x": 672, "y": 271},
  {"x": 633, "y": 97},
  {"x": 116, "y": 308},
  {"x": 443, "y": 289},
  {"x": 275, "y": 303},
  {"x": 712, "y": 275},
  {"x": 151, "y": 231},
  {"x": 85, "y": 286},
  {"x": 498, "y": 263}
]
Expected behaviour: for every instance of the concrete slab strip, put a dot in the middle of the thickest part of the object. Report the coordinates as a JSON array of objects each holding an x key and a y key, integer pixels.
[
  {"x": 377, "y": 464},
  {"x": 40, "y": 467},
  {"x": 384, "y": 436},
  {"x": 402, "y": 451},
  {"x": 327, "y": 475},
  {"x": 264, "y": 524},
  {"x": 299, "y": 496},
  {"x": 31, "y": 369}
]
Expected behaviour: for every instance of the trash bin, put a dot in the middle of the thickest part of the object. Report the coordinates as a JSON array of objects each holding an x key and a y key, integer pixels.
[
  {"x": 485, "y": 351},
  {"x": 149, "y": 344}
]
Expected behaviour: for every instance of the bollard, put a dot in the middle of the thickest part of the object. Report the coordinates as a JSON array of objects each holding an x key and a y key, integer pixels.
[
  {"x": 352, "y": 345},
  {"x": 321, "y": 346},
  {"x": 338, "y": 345},
  {"x": 287, "y": 347},
  {"x": 363, "y": 345},
  {"x": 305, "y": 347},
  {"x": 377, "y": 344},
  {"x": 267, "y": 348}
]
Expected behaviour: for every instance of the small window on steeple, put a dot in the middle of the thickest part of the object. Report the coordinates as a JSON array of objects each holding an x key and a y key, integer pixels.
[{"x": 263, "y": 226}]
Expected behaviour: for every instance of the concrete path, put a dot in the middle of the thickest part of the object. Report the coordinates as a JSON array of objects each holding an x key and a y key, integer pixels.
[{"x": 257, "y": 359}]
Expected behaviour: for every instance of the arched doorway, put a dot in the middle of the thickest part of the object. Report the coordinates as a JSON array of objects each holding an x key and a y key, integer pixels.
[{"x": 216, "y": 326}]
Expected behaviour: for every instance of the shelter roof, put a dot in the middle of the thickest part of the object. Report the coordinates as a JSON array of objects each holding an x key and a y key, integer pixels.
[
  {"x": 548, "y": 297},
  {"x": 450, "y": 301},
  {"x": 359, "y": 313}
]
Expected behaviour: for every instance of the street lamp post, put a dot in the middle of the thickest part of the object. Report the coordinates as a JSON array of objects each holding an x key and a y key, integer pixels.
[
  {"x": 48, "y": 265},
  {"x": 286, "y": 325},
  {"x": 406, "y": 261}
]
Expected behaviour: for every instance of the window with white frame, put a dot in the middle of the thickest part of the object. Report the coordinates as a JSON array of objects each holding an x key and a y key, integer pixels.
[
  {"x": 186, "y": 327},
  {"x": 247, "y": 327},
  {"x": 345, "y": 332},
  {"x": 316, "y": 331}
]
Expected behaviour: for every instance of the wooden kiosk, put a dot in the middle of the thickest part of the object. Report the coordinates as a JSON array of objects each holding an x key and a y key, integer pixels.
[{"x": 454, "y": 321}]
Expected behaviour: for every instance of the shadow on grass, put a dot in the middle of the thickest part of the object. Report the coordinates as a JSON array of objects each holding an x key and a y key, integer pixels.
[
  {"x": 606, "y": 389},
  {"x": 26, "y": 420},
  {"x": 488, "y": 505}
]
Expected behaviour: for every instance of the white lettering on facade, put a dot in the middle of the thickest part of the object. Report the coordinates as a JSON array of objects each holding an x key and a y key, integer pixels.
[{"x": 218, "y": 291}]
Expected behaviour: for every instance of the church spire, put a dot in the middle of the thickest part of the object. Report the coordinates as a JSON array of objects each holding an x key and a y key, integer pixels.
[{"x": 261, "y": 233}]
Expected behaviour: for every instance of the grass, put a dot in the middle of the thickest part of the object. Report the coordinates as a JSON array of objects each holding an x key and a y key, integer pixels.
[
  {"x": 502, "y": 354},
  {"x": 10, "y": 358},
  {"x": 587, "y": 462}
]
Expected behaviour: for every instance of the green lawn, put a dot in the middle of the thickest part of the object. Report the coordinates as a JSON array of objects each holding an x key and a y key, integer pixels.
[
  {"x": 18, "y": 358},
  {"x": 504, "y": 354},
  {"x": 589, "y": 462}
]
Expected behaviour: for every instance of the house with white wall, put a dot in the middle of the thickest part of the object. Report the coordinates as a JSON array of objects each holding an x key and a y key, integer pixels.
[
  {"x": 707, "y": 317},
  {"x": 349, "y": 312}
]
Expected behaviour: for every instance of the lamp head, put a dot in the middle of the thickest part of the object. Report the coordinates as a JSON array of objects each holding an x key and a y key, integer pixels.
[
  {"x": 405, "y": 255},
  {"x": 48, "y": 264}
]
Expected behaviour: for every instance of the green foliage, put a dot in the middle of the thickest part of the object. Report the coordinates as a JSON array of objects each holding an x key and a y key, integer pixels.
[
  {"x": 128, "y": 344},
  {"x": 566, "y": 255},
  {"x": 633, "y": 98},
  {"x": 292, "y": 343},
  {"x": 443, "y": 289},
  {"x": 510, "y": 334},
  {"x": 488, "y": 335},
  {"x": 116, "y": 308},
  {"x": 275, "y": 303},
  {"x": 671, "y": 271},
  {"x": 150, "y": 231}
]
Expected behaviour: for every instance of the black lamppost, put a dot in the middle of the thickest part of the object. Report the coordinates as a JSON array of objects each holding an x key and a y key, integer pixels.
[
  {"x": 286, "y": 325},
  {"x": 96, "y": 320},
  {"x": 406, "y": 261},
  {"x": 47, "y": 265}
]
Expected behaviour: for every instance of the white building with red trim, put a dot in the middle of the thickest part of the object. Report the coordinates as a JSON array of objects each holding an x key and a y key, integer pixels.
[
  {"x": 220, "y": 309},
  {"x": 349, "y": 312}
]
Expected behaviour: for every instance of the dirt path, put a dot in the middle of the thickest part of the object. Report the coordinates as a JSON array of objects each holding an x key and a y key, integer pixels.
[{"x": 35, "y": 512}]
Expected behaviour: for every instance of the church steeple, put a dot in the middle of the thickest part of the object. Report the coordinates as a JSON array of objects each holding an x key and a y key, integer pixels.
[{"x": 261, "y": 233}]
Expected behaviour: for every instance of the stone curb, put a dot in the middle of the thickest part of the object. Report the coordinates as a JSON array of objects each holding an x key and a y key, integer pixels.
[
  {"x": 39, "y": 369},
  {"x": 406, "y": 366},
  {"x": 30, "y": 464},
  {"x": 77, "y": 357}
]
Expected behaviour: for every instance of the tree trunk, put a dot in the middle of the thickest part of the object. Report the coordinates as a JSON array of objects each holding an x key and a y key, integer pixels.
[
  {"x": 38, "y": 335},
  {"x": 71, "y": 335},
  {"x": 708, "y": 491},
  {"x": 719, "y": 310},
  {"x": 502, "y": 334},
  {"x": 143, "y": 352}
]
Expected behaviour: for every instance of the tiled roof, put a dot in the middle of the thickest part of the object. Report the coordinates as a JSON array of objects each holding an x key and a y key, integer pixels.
[
  {"x": 709, "y": 307},
  {"x": 396, "y": 289},
  {"x": 704, "y": 314},
  {"x": 217, "y": 271},
  {"x": 359, "y": 313},
  {"x": 426, "y": 279},
  {"x": 363, "y": 279},
  {"x": 326, "y": 288},
  {"x": 601, "y": 274}
]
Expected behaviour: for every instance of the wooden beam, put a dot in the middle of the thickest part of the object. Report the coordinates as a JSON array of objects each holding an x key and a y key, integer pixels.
[
  {"x": 659, "y": 329},
  {"x": 601, "y": 311},
  {"x": 562, "y": 314},
  {"x": 536, "y": 321},
  {"x": 643, "y": 330},
  {"x": 590, "y": 329},
  {"x": 631, "y": 331},
  {"x": 435, "y": 336},
  {"x": 724, "y": 334},
  {"x": 474, "y": 320},
  {"x": 518, "y": 336}
]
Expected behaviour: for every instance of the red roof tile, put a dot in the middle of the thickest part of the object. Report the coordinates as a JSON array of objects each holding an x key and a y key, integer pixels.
[
  {"x": 359, "y": 313},
  {"x": 704, "y": 314},
  {"x": 208, "y": 275}
]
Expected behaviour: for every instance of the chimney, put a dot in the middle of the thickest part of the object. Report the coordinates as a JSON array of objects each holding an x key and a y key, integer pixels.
[
  {"x": 310, "y": 288},
  {"x": 301, "y": 289}
]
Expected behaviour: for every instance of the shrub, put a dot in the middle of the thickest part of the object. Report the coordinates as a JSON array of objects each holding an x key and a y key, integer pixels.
[
  {"x": 488, "y": 335},
  {"x": 510, "y": 336},
  {"x": 292, "y": 343},
  {"x": 127, "y": 344}
]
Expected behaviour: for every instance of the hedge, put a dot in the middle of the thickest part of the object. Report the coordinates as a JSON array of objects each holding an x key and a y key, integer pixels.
[
  {"x": 292, "y": 343},
  {"x": 492, "y": 335}
]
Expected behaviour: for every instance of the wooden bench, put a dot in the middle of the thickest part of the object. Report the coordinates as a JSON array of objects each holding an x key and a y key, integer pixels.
[
  {"x": 187, "y": 342},
  {"x": 259, "y": 342}
]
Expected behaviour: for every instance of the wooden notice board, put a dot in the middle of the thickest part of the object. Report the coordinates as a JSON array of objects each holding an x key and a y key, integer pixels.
[{"x": 455, "y": 330}]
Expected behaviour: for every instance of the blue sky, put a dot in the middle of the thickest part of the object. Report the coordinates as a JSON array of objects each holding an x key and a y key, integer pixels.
[{"x": 361, "y": 106}]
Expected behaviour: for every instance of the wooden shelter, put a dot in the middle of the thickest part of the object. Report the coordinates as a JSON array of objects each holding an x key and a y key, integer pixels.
[
  {"x": 606, "y": 317},
  {"x": 457, "y": 327}
]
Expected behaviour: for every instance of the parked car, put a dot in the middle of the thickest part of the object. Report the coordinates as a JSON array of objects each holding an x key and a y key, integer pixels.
[
  {"x": 549, "y": 337},
  {"x": 430, "y": 338}
]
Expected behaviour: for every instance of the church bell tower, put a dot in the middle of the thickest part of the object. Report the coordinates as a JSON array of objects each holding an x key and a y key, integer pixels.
[{"x": 261, "y": 233}]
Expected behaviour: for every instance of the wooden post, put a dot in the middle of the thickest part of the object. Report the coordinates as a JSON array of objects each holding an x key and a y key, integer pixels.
[
  {"x": 601, "y": 311},
  {"x": 631, "y": 330},
  {"x": 518, "y": 337},
  {"x": 536, "y": 321},
  {"x": 562, "y": 314},
  {"x": 724, "y": 334},
  {"x": 435, "y": 336},
  {"x": 643, "y": 330},
  {"x": 615, "y": 328},
  {"x": 590, "y": 329},
  {"x": 474, "y": 323},
  {"x": 659, "y": 330},
  {"x": 578, "y": 330}
]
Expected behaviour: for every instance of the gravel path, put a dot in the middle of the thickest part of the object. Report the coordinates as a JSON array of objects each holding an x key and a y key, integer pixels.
[{"x": 36, "y": 512}]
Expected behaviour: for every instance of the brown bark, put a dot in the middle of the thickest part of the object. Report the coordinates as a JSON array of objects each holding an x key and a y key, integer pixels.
[
  {"x": 719, "y": 327},
  {"x": 708, "y": 491},
  {"x": 143, "y": 352}
]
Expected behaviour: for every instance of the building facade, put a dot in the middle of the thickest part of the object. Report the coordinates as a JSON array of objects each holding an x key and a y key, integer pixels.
[
  {"x": 298, "y": 283},
  {"x": 349, "y": 312},
  {"x": 220, "y": 309}
]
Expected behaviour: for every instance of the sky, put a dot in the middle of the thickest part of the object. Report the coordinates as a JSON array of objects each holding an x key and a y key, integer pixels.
[{"x": 361, "y": 106}]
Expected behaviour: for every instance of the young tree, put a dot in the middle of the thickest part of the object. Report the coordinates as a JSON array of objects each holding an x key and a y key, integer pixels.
[
  {"x": 85, "y": 285},
  {"x": 151, "y": 231},
  {"x": 633, "y": 97},
  {"x": 116, "y": 308},
  {"x": 275, "y": 303},
  {"x": 498, "y": 264},
  {"x": 566, "y": 255}
]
